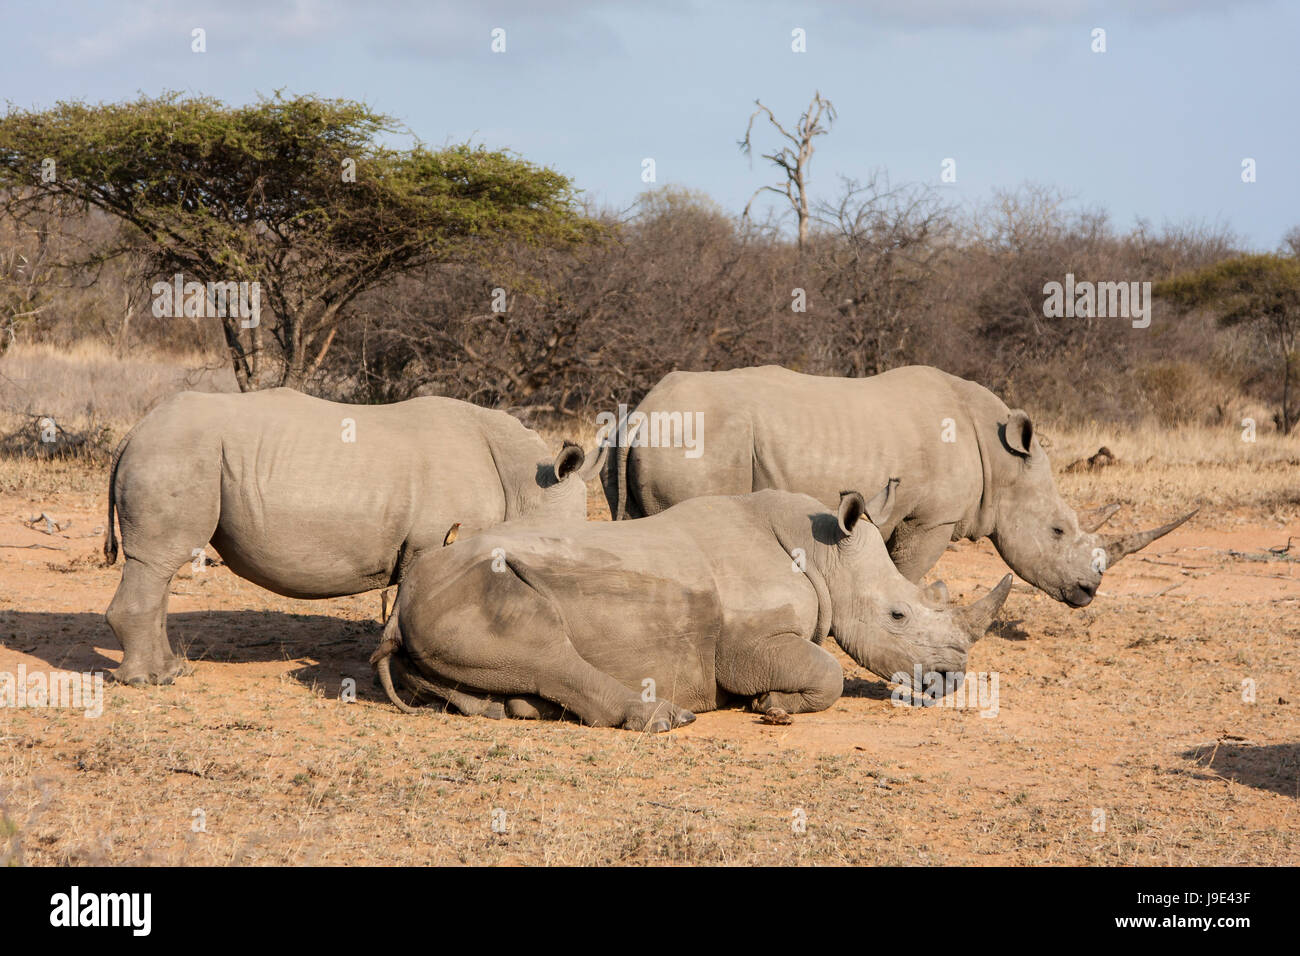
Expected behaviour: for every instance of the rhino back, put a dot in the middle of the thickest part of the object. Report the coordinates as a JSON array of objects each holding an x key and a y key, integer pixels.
[{"x": 820, "y": 435}]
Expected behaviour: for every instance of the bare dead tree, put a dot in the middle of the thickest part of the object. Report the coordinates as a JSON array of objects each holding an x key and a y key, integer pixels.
[{"x": 793, "y": 159}]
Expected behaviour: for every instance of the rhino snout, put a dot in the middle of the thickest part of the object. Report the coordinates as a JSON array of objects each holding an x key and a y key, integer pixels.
[{"x": 1081, "y": 594}]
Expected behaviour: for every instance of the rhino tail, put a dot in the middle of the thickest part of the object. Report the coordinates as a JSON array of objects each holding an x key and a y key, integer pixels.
[
  {"x": 382, "y": 659},
  {"x": 386, "y": 679},
  {"x": 620, "y": 483},
  {"x": 624, "y": 450},
  {"x": 110, "y": 534}
]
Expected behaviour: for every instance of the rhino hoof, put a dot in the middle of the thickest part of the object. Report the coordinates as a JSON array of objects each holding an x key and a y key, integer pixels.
[
  {"x": 127, "y": 679},
  {"x": 684, "y": 718},
  {"x": 659, "y": 725}
]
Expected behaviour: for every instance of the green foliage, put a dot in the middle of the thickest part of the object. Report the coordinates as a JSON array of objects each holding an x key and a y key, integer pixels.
[
  {"x": 1259, "y": 289},
  {"x": 259, "y": 192},
  {"x": 1239, "y": 290}
]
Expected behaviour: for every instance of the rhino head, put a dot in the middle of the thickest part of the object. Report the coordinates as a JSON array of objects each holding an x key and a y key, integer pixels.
[
  {"x": 1038, "y": 535},
  {"x": 559, "y": 488},
  {"x": 882, "y": 620}
]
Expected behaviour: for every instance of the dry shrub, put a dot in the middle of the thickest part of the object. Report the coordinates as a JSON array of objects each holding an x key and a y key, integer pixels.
[
  {"x": 1181, "y": 392},
  {"x": 892, "y": 276}
]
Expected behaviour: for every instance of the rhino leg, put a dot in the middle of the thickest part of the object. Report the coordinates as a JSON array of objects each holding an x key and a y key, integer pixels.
[
  {"x": 533, "y": 708},
  {"x": 138, "y": 616},
  {"x": 500, "y": 667},
  {"x": 915, "y": 551},
  {"x": 782, "y": 672},
  {"x": 567, "y": 679},
  {"x": 467, "y": 701},
  {"x": 168, "y": 500}
]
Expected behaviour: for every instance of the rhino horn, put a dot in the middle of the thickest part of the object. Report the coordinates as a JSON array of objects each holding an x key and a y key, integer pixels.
[
  {"x": 1119, "y": 545},
  {"x": 1094, "y": 518},
  {"x": 937, "y": 592},
  {"x": 977, "y": 617},
  {"x": 594, "y": 464}
]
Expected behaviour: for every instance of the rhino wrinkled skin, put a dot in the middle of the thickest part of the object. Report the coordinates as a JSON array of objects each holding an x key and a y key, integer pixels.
[
  {"x": 968, "y": 466},
  {"x": 272, "y": 480},
  {"x": 641, "y": 624}
]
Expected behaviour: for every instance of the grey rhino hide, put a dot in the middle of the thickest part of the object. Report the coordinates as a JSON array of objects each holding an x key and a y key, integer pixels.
[
  {"x": 272, "y": 480},
  {"x": 968, "y": 467},
  {"x": 641, "y": 624}
]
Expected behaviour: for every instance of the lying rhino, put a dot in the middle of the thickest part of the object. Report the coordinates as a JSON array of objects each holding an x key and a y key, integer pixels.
[
  {"x": 309, "y": 498},
  {"x": 969, "y": 467},
  {"x": 642, "y": 624}
]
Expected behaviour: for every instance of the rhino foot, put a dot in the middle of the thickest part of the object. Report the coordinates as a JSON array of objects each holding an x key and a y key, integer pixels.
[
  {"x": 776, "y": 707},
  {"x": 141, "y": 675},
  {"x": 656, "y": 717}
]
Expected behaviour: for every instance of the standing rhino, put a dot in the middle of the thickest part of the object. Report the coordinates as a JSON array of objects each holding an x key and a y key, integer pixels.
[
  {"x": 309, "y": 498},
  {"x": 640, "y": 624},
  {"x": 968, "y": 466}
]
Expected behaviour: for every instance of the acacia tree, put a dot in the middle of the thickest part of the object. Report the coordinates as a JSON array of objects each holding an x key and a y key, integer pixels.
[
  {"x": 1263, "y": 290},
  {"x": 792, "y": 160},
  {"x": 297, "y": 194}
]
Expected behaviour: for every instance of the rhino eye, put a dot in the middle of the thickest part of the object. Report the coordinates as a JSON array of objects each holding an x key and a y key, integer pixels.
[
  {"x": 1059, "y": 532},
  {"x": 898, "y": 615}
]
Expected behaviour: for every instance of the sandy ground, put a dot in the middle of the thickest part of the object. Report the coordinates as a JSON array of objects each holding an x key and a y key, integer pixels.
[{"x": 1121, "y": 735}]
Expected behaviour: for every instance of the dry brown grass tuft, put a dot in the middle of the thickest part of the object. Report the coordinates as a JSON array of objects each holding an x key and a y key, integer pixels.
[{"x": 1166, "y": 469}]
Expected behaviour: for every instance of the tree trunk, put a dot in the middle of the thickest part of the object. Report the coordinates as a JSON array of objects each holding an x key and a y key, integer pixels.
[{"x": 1288, "y": 422}]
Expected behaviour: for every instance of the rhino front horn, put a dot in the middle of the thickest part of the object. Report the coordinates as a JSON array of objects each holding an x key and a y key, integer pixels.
[
  {"x": 977, "y": 617},
  {"x": 1119, "y": 545}
]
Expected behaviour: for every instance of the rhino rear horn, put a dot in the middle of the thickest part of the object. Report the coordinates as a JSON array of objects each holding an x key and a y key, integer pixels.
[
  {"x": 594, "y": 464},
  {"x": 937, "y": 592},
  {"x": 1120, "y": 545},
  {"x": 977, "y": 617},
  {"x": 1094, "y": 518}
]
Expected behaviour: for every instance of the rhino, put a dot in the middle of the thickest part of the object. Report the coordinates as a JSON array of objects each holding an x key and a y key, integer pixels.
[
  {"x": 642, "y": 624},
  {"x": 310, "y": 498},
  {"x": 968, "y": 466}
]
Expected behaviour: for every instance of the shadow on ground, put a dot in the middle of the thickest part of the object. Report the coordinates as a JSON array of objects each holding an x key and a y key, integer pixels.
[
  {"x": 1274, "y": 767},
  {"x": 337, "y": 647}
]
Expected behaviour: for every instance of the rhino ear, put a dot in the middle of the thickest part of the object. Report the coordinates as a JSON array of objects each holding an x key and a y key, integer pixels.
[
  {"x": 568, "y": 461},
  {"x": 881, "y": 507},
  {"x": 1018, "y": 432},
  {"x": 852, "y": 507}
]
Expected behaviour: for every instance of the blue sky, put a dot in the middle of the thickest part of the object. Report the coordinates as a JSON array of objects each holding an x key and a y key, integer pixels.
[{"x": 1157, "y": 126}]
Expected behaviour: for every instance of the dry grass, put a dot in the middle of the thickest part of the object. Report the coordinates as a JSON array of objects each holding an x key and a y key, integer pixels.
[
  {"x": 284, "y": 772},
  {"x": 1132, "y": 706},
  {"x": 88, "y": 387},
  {"x": 1165, "y": 469}
]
